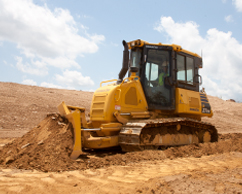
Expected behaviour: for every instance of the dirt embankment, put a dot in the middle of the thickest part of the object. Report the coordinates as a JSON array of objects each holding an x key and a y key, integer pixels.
[
  {"x": 22, "y": 107},
  {"x": 226, "y": 115}
]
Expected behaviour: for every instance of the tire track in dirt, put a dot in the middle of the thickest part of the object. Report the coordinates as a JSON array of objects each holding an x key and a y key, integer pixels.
[{"x": 121, "y": 179}]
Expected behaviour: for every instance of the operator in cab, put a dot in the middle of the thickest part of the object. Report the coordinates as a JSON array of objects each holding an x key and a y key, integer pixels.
[{"x": 163, "y": 72}]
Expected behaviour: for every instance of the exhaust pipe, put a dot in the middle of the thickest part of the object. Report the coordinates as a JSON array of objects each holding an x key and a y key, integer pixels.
[{"x": 125, "y": 64}]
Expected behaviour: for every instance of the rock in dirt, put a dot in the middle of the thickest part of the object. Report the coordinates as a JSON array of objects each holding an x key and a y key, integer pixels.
[
  {"x": 24, "y": 146},
  {"x": 9, "y": 159}
]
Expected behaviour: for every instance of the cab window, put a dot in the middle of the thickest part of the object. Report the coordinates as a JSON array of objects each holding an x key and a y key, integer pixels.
[
  {"x": 151, "y": 73},
  {"x": 185, "y": 69},
  {"x": 190, "y": 70},
  {"x": 181, "y": 73}
]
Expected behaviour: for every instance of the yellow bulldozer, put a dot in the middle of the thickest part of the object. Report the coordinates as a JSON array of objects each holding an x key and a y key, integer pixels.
[{"x": 157, "y": 105}]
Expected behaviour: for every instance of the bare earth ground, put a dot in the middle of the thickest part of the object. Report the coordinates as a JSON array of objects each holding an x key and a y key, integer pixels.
[{"x": 36, "y": 159}]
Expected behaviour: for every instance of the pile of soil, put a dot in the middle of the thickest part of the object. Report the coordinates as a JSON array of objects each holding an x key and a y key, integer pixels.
[{"x": 48, "y": 146}]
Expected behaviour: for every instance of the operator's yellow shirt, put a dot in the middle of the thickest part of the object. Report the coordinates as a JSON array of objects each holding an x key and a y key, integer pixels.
[{"x": 161, "y": 78}]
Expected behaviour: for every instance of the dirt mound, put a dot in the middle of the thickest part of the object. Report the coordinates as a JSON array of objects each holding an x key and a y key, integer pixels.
[{"x": 48, "y": 146}]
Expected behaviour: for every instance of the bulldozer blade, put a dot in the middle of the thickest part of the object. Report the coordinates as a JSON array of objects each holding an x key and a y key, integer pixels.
[
  {"x": 75, "y": 154},
  {"x": 75, "y": 118}
]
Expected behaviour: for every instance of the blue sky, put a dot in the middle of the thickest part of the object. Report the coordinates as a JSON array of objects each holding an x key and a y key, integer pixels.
[{"x": 77, "y": 44}]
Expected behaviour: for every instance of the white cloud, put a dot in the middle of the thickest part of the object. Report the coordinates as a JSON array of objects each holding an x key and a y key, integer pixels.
[
  {"x": 49, "y": 37},
  {"x": 29, "y": 82},
  {"x": 228, "y": 18},
  {"x": 222, "y": 55},
  {"x": 34, "y": 69},
  {"x": 84, "y": 16},
  {"x": 91, "y": 90},
  {"x": 238, "y": 5},
  {"x": 73, "y": 79},
  {"x": 50, "y": 85},
  {"x": 60, "y": 62},
  {"x": 178, "y": 30},
  {"x": 114, "y": 44}
]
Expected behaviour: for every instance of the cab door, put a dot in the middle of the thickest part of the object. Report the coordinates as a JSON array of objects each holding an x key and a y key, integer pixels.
[{"x": 157, "y": 68}]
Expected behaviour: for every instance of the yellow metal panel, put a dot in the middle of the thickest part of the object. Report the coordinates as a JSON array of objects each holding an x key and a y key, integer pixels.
[
  {"x": 111, "y": 129},
  {"x": 100, "y": 98},
  {"x": 189, "y": 103},
  {"x": 145, "y": 114},
  {"x": 98, "y": 104},
  {"x": 111, "y": 125},
  {"x": 100, "y": 142},
  {"x": 125, "y": 97},
  {"x": 97, "y": 112},
  {"x": 131, "y": 96},
  {"x": 102, "y": 105},
  {"x": 185, "y": 98},
  {"x": 141, "y": 100},
  {"x": 194, "y": 102}
]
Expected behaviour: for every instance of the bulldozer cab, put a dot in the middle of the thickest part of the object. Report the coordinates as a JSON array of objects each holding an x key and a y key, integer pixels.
[{"x": 163, "y": 68}]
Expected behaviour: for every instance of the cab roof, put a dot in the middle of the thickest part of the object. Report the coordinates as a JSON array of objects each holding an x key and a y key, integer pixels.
[{"x": 177, "y": 48}]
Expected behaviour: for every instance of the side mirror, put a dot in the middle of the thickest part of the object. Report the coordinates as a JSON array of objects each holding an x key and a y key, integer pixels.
[{"x": 199, "y": 79}]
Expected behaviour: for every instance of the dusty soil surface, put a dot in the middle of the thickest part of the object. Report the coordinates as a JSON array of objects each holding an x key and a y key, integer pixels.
[
  {"x": 219, "y": 173},
  {"x": 35, "y": 149}
]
